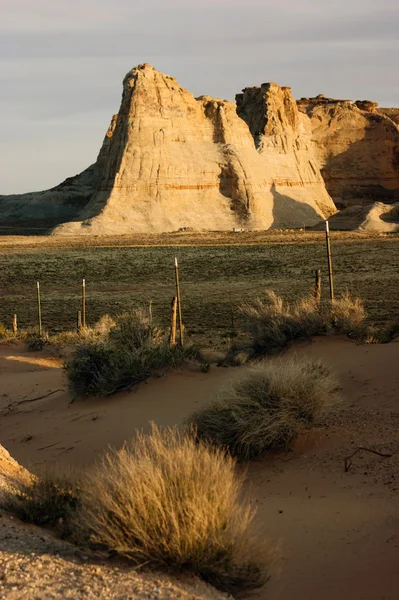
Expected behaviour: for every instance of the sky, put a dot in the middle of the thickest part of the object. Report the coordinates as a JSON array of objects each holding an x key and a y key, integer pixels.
[{"x": 62, "y": 63}]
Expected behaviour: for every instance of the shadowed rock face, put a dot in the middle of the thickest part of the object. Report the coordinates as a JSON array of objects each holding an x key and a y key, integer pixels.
[
  {"x": 356, "y": 147},
  {"x": 283, "y": 138}
]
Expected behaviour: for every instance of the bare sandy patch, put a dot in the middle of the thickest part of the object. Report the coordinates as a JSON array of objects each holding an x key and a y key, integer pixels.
[{"x": 339, "y": 530}]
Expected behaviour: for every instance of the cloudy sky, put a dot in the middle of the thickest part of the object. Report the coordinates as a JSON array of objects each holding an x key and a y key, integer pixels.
[{"x": 62, "y": 63}]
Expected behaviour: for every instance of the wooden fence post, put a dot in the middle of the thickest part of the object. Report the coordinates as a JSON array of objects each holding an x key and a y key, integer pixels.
[
  {"x": 329, "y": 259},
  {"x": 173, "y": 322},
  {"x": 179, "y": 303},
  {"x": 14, "y": 324},
  {"x": 39, "y": 310},
  {"x": 84, "y": 303},
  {"x": 79, "y": 320},
  {"x": 317, "y": 286}
]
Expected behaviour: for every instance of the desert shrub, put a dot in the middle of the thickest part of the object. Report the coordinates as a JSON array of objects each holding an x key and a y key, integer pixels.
[
  {"x": 36, "y": 342},
  {"x": 45, "y": 500},
  {"x": 104, "y": 325},
  {"x": 168, "y": 502},
  {"x": 348, "y": 315},
  {"x": 92, "y": 369},
  {"x": 273, "y": 323},
  {"x": 135, "y": 329},
  {"x": 380, "y": 335},
  {"x": 131, "y": 350},
  {"x": 267, "y": 405}
]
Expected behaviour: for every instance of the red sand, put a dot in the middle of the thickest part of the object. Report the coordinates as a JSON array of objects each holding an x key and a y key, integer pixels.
[{"x": 339, "y": 531}]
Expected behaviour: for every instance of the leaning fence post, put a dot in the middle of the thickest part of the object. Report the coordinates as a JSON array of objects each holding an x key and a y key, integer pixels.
[
  {"x": 14, "y": 324},
  {"x": 39, "y": 309},
  {"x": 84, "y": 303},
  {"x": 79, "y": 320},
  {"x": 329, "y": 259},
  {"x": 179, "y": 303},
  {"x": 317, "y": 286},
  {"x": 173, "y": 319}
]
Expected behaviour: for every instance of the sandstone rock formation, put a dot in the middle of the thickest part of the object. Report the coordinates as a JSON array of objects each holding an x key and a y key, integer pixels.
[
  {"x": 356, "y": 147},
  {"x": 282, "y": 136},
  {"x": 392, "y": 113},
  {"x": 11, "y": 473},
  {"x": 170, "y": 160}
]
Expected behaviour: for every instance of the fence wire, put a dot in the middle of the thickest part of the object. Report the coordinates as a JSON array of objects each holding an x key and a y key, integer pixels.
[{"x": 215, "y": 280}]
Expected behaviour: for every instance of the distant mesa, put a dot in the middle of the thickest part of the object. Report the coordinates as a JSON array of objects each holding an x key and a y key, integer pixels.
[{"x": 170, "y": 161}]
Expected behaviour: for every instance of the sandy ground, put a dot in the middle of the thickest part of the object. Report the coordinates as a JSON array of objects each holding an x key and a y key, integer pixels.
[{"x": 339, "y": 530}]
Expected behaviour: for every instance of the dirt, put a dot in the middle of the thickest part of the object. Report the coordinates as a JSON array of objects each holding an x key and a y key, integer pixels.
[
  {"x": 338, "y": 530},
  {"x": 34, "y": 565}
]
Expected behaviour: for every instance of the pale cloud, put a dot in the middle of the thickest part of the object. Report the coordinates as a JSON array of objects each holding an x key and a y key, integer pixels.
[{"x": 62, "y": 63}]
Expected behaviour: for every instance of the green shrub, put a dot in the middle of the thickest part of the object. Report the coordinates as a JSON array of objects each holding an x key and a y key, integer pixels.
[
  {"x": 169, "y": 502},
  {"x": 267, "y": 405},
  {"x": 93, "y": 369}
]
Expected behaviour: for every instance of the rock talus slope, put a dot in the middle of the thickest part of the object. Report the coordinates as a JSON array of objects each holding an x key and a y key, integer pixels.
[
  {"x": 371, "y": 217},
  {"x": 170, "y": 160},
  {"x": 356, "y": 147}
]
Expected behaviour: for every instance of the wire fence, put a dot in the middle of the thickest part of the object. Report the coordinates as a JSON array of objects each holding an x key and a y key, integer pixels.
[{"x": 215, "y": 280}]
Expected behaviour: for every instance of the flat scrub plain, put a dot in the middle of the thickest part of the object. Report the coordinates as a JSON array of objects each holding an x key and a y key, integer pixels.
[{"x": 218, "y": 272}]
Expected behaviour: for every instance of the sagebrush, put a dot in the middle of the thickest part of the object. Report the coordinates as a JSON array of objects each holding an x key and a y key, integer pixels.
[
  {"x": 168, "y": 502},
  {"x": 274, "y": 323},
  {"x": 267, "y": 405},
  {"x": 133, "y": 350}
]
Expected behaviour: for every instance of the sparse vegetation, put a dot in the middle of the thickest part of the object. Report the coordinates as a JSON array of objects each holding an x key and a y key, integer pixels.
[
  {"x": 49, "y": 499},
  {"x": 7, "y": 335},
  {"x": 169, "y": 502},
  {"x": 133, "y": 350},
  {"x": 347, "y": 315},
  {"x": 218, "y": 272},
  {"x": 267, "y": 405},
  {"x": 274, "y": 324}
]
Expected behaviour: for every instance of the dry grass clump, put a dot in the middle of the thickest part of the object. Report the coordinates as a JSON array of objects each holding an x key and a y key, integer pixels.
[
  {"x": 267, "y": 405},
  {"x": 99, "y": 332},
  {"x": 273, "y": 323},
  {"x": 168, "y": 502},
  {"x": 348, "y": 315},
  {"x": 132, "y": 351},
  {"x": 7, "y": 335},
  {"x": 49, "y": 499}
]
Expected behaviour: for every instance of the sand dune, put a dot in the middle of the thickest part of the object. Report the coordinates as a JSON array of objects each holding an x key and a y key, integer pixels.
[{"x": 339, "y": 530}]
